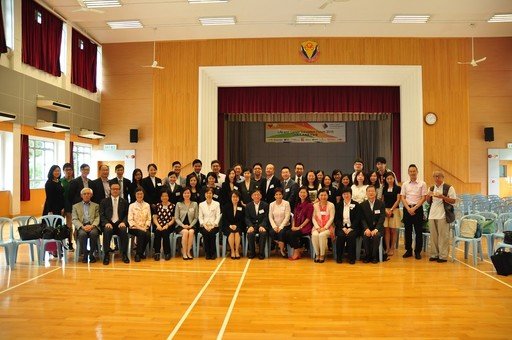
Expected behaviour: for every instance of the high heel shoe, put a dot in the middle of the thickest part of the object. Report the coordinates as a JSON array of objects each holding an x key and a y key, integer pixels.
[{"x": 190, "y": 257}]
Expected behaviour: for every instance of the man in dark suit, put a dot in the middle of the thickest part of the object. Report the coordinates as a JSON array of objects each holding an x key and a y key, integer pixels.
[
  {"x": 373, "y": 224},
  {"x": 300, "y": 177},
  {"x": 114, "y": 221},
  {"x": 348, "y": 226},
  {"x": 174, "y": 190},
  {"x": 257, "y": 171},
  {"x": 77, "y": 184},
  {"x": 290, "y": 187},
  {"x": 201, "y": 179},
  {"x": 124, "y": 183},
  {"x": 256, "y": 220},
  {"x": 101, "y": 186},
  {"x": 269, "y": 184}
]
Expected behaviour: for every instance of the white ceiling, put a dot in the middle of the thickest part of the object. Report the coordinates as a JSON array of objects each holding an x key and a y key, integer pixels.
[{"x": 178, "y": 20}]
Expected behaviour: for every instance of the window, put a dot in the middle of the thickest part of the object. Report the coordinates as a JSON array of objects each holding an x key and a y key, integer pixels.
[
  {"x": 42, "y": 155},
  {"x": 8, "y": 11},
  {"x": 6, "y": 160},
  {"x": 63, "y": 49},
  {"x": 99, "y": 68},
  {"x": 81, "y": 154}
]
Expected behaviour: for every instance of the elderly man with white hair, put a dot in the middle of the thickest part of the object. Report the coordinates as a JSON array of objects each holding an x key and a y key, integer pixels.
[{"x": 86, "y": 219}]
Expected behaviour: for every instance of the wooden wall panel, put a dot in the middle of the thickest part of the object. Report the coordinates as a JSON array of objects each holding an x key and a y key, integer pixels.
[
  {"x": 5, "y": 203},
  {"x": 34, "y": 207}
]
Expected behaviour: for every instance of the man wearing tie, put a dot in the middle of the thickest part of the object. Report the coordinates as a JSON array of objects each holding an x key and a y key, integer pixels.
[
  {"x": 114, "y": 221},
  {"x": 300, "y": 178},
  {"x": 256, "y": 220},
  {"x": 124, "y": 183},
  {"x": 201, "y": 179},
  {"x": 269, "y": 184},
  {"x": 290, "y": 187},
  {"x": 100, "y": 186},
  {"x": 77, "y": 184},
  {"x": 86, "y": 219},
  {"x": 372, "y": 221}
]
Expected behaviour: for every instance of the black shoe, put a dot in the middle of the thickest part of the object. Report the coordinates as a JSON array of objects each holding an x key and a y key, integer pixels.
[
  {"x": 126, "y": 259},
  {"x": 417, "y": 256},
  {"x": 366, "y": 261},
  {"x": 184, "y": 258},
  {"x": 375, "y": 261},
  {"x": 143, "y": 256},
  {"x": 407, "y": 254},
  {"x": 208, "y": 257},
  {"x": 106, "y": 260},
  {"x": 237, "y": 257},
  {"x": 317, "y": 260},
  {"x": 441, "y": 260},
  {"x": 92, "y": 259},
  {"x": 432, "y": 259},
  {"x": 321, "y": 261},
  {"x": 261, "y": 256},
  {"x": 85, "y": 258},
  {"x": 167, "y": 257},
  {"x": 190, "y": 257},
  {"x": 70, "y": 247},
  {"x": 339, "y": 260},
  {"x": 251, "y": 256},
  {"x": 156, "y": 257},
  {"x": 352, "y": 261},
  {"x": 137, "y": 258}
]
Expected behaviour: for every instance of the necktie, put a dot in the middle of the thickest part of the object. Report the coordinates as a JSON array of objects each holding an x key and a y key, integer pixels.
[
  {"x": 121, "y": 187},
  {"x": 115, "y": 217},
  {"x": 285, "y": 183},
  {"x": 299, "y": 179}
]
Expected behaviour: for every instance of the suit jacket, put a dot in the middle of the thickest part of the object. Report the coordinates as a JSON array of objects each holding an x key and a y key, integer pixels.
[
  {"x": 258, "y": 184},
  {"x": 78, "y": 215},
  {"x": 230, "y": 218},
  {"x": 290, "y": 192},
  {"x": 107, "y": 210},
  {"x": 126, "y": 186},
  {"x": 181, "y": 212},
  {"x": 296, "y": 180},
  {"x": 245, "y": 194},
  {"x": 175, "y": 195},
  {"x": 54, "y": 202},
  {"x": 75, "y": 186},
  {"x": 268, "y": 195},
  {"x": 257, "y": 218},
  {"x": 373, "y": 218},
  {"x": 151, "y": 192},
  {"x": 225, "y": 192},
  {"x": 201, "y": 179},
  {"x": 98, "y": 191},
  {"x": 355, "y": 216}
]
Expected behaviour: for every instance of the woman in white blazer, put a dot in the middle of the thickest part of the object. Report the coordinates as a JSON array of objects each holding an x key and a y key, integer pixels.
[{"x": 209, "y": 219}]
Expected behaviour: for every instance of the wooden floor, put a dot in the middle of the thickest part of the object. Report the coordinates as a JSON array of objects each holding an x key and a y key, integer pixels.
[{"x": 270, "y": 299}]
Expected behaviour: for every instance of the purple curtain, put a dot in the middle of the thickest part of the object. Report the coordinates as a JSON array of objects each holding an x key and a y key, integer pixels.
[
  {"x": 3, "y": 44},
  {"x": 24, "y": 170},
  {"x": 83, "y": 61},
  {"x": 41, "y": 41}
]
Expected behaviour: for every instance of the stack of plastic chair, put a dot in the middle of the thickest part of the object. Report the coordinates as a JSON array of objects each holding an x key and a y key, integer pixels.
[
  {"x": 23, "y": 221},
  {"x": 507, "y": 226},
  {"x": 8, "y": 244},
  {"x": 476, "y": 242},
  {"x": 52, "y": 220}
]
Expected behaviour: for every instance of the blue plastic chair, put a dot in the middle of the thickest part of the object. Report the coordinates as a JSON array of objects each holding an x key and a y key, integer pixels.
[
  {"x": 197, "y": 244},
  {"x": 225, "y": 244},
  {"x": 267, "y": 248},
  {"x": 507, "y": 226},
  {"x": 8, "y": 244},
  {"x": 23, "y": 221},
  {"x": 489, "y": 215},
  {"x": 174, "y": 241},
  {"x": 476, "y": 242},
  {"x": 52, "y": 220}
]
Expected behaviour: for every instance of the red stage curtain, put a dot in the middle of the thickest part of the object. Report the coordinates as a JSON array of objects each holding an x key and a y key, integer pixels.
[
  {"x": 307, "y": 99},
  {"x": 71, "y": 160},
  {"x": 3, "y": 44},
  {"x": 24, "y": 172},
  {"x": 41, "y": 42},
  {"x": 83, "y": 61}
]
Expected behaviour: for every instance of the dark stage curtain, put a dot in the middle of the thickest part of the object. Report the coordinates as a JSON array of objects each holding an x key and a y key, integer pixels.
[
  {"x": 41, "y": 41},
  {"x": 83, "y": 61},
  {"x": 24, "y": 170}
]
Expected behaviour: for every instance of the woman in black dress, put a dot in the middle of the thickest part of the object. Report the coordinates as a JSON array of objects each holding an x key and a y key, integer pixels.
[
  {"x": 136, "y": 182},
  {"x": 391, "y": 198},
  {"x": 191, "y": 182},
  {"x": 54, "y": 204},
  {"x": 228, "y": 186},
  {"x": 233, "y": 217}
]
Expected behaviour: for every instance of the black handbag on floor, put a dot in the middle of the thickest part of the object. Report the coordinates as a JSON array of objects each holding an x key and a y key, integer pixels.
[
  {"x": 508, "y": 237},
  {"x": 502, "y": 261},
  {"x": 31, "y": 231}
]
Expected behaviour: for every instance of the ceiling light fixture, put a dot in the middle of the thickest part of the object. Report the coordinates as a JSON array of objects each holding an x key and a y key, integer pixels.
[
  {"x": 501, "y": 18},
  {"x": 217, "y": 21},
  {"x": 115, "y": 25},
  {"x": 313, "y": 19},
  {"x": 100, "y": 3},
  {"x": 410, "y": 19}
]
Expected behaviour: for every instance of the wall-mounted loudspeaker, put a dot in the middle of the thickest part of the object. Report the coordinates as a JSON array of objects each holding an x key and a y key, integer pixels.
[
  {"x": 489, "y": 134},
  {"x": 134, "y": 135}
]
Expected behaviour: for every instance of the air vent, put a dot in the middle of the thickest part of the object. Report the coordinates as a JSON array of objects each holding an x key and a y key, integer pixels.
[
  {"x": 53, "y": 105},
  {"x": 4, "y": 116},
  {"x": 91, "y": 134},
  {"x": 51, "y": 127}
]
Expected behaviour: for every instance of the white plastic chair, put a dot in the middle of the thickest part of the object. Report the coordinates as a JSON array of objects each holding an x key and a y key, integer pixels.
[
  {"x": 23, "y": 221},
  {"x": 8, "y": 245},
  {"x": 52, "y": 220},
  {"x": 476, "y": 242},
  {"x": 507, "y": 226}
]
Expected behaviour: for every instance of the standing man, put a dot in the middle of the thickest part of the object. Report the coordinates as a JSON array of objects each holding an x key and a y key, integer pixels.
[
  {"x": 256, "y": 220},
  {"x": 413, "y": 195},
  {"x": 238, "y": 173},
  {"x": 201, "y": 178},
  {"x": 270, "y": 183},
  {"x": 380, "y": 164},
  {"x": 176, "y": 167},
  {"x": 441, "y": 197},
  {"x": 220, "y": 177},
  {"x": 373, "y": 215},
  {"x": 76, "y": 185},
  {"x": 86, "y": 219},
  {"x": 290, "y": 187},
  {"x": 124, "y": 183},
  {"x": 65, "y": 182},
  {"x": 300, "y": 178},
  {"x": 358, "y": 166},
  {"x": 114, "y": 221},
  {"x": 257, "y": 170},
  {"x": 101, "y": 186}
]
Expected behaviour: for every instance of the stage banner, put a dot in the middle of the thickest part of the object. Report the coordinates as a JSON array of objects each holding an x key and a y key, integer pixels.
[{"x": 327, "y": 132}]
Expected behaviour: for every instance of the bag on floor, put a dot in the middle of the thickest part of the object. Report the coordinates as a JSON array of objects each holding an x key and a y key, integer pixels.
[
  {"x": 508, "y": 237},
  {"x": 31, "y": 231},
  {"x": 468, "y": 228},
  {"x": 502, "y": 261}
]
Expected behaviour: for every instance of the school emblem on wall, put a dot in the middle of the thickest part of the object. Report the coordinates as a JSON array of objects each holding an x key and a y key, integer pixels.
[{"x": 309, "y": 51}]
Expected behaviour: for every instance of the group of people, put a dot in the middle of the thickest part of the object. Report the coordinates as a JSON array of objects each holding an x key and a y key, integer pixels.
[{"x": 267, "y": 210}]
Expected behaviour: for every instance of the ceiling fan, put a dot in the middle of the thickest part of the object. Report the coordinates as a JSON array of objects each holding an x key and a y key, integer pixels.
[
  {"x": 84, "y": 8},
  {"x": 330, "y": 2},
  {"x": 155, "y": 63},
  {"x": 473, "y": 62}
]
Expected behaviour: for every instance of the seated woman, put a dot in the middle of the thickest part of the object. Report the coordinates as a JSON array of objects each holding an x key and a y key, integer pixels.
[
  {"x": 347, "y": 220},
  {"x": 359, "y": 187},
  {"x": 210, "y": 183},
  {"x": 186, "y": 215},
  {"x": 196, "y": 193},
  {"x": 139, "y": 220},
  {"x": 301, "y": 223},
  {"x": 163, "y": 221},
  {"x": 209, "y": 218},
  {"x": 233, "y": 217},
  {"x": 279, "y": 217},
  {"x": 323, "y": 218}
]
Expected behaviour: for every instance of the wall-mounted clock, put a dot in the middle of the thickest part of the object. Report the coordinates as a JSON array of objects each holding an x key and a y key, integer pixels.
[{"x": 431, "y": 118}]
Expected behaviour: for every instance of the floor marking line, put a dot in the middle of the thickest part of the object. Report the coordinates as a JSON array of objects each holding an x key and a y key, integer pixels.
[
  {"x": 156, "y": 270},
  {"x": 192, "y": 305},
  {"x": 478, "y": 270},
  {"x": 29, "y": 280},
  {"x": 233, "y": 301}
]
